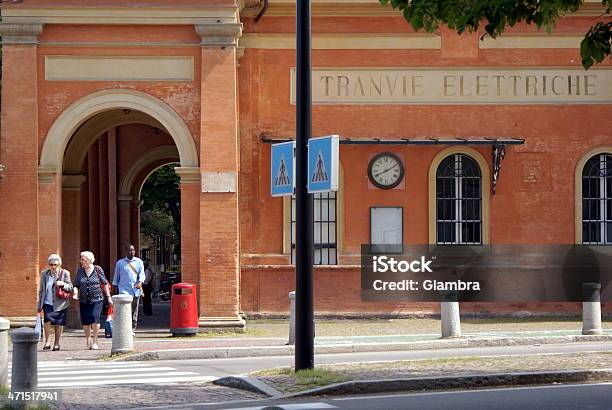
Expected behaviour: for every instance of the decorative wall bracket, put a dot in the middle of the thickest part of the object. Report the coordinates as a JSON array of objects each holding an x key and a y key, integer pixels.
[{"x": 499, "y": 152}]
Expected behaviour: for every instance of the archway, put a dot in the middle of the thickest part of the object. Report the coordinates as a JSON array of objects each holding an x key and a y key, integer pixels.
[{"x": 97, "y": 155}]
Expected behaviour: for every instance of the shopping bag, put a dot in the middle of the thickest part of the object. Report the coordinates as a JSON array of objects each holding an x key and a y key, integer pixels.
[
  {"x": 38, "y": 326},
  {"x": 108, "y": 325}
]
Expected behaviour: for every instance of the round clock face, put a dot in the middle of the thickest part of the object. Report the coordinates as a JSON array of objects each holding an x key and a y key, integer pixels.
[{"x": 386, "y": 170}]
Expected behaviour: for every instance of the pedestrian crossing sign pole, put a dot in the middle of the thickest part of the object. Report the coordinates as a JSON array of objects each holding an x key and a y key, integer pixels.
[
  {"x": 282, "y": 170},
  {"x": 323, "y": 164}
]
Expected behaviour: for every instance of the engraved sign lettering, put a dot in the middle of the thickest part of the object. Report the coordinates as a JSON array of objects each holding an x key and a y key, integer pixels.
[{"x": 460, "y": 86}]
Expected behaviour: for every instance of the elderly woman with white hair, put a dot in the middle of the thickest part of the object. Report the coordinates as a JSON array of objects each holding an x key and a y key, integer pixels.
[
  {"x": 92, "y": 287},
  {"x": 53, "y": 299}
]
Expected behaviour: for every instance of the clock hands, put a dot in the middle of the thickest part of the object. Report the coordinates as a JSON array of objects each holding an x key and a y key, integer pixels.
[{"x": 386, "y": 170}]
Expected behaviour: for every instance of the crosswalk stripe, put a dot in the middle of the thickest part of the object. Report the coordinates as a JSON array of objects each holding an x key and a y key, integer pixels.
[
  {"x": 71, "y": 374},
  {"x": 126, "y": 377},
  {"x": 60, "y": 384},
  {"x": 99, "y": 371}
]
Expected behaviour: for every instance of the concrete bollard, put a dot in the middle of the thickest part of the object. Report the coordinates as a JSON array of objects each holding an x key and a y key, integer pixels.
[
  {"x": 591, "y": 309},
  {"x": 449, "y": 315},
  {"x": 291, "y": 318},
  {"x": 123, "y": 339},
  {"x": 4, "y": 328},
  {"x": 24, "y": 374}
]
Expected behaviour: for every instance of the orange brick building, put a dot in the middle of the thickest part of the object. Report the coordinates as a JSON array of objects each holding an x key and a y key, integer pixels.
[{"x": 98, "y": 94}]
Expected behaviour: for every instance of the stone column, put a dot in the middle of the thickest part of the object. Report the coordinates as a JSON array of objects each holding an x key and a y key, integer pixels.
[
  {"x": 291, "y": 318},
  {"x": 24, "y": 374},
  {"x": 19, "y": 155},
  {"x": 449, "y": 315},
  {"x": 123, "y": 339},
  {"x": 591, "y": 309},
  {"x": 219, "y": 223},
  {"x": 4, "y": 328},
  {"x": 71, "y": 236}
]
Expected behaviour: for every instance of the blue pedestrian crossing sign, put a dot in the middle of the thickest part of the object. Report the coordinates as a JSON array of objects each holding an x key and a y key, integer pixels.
[
  {"x": 282, "y": 175},
  {"x": 323, "y": 164}
]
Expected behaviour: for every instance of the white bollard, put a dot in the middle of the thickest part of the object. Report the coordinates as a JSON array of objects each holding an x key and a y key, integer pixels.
[
  {"x": 591, "y": 309},
  {"x": 24, "y": 374},
  {"x": 123, "y": 339},
  {"x": 291, "y": 318},
  {"x": 4, "y": 328},
  {"x": 449, "y": 315}
]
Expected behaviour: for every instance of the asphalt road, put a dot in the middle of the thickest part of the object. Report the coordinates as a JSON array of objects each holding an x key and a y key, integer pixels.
[
  {"x": 226, "y": 367},
  {"x": 555, "y": 397}
]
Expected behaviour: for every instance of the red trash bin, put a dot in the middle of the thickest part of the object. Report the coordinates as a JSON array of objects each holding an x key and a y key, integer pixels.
[{"x": 183, "y": 309}]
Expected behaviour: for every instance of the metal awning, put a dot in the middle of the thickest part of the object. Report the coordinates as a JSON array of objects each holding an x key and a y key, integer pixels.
[
  {"x": 415, "y": 141},
  {"x": 497, "y": 143}
]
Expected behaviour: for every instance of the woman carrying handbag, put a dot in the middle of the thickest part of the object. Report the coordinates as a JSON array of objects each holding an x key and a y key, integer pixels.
[
  {"x": 92, "y": 287},
  {"x": 54, "y": 293}
]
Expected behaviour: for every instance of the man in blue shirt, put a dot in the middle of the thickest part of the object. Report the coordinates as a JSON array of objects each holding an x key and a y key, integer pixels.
[{"x": 128, "y": 279}]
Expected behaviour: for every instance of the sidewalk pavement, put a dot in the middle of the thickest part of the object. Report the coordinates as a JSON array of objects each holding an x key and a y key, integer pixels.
[{"x": 170, "y": 348}]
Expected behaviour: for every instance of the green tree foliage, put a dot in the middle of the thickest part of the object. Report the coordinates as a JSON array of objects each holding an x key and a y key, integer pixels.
[
  {"x": 161, "y": 207},
  {"x": 496, "y": 15}
]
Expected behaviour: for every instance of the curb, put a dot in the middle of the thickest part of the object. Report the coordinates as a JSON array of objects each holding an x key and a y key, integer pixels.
[
  {"x": 435, "y": 383},
  {"x": 237, "y": 352}
]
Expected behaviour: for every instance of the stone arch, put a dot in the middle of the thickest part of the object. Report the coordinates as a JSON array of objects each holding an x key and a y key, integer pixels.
[
  {"x": 164, "y": 152},
  {"x": 76, "y": 114},
  {"x": 91, "y": 130}
]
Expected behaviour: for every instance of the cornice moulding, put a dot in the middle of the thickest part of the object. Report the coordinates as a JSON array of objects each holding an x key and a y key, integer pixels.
[{"x": 219, "y": 34}]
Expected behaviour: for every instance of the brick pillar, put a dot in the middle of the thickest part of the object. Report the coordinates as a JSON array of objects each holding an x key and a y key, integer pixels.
[
  {"x": 112, "y": 198},
  {"x": 71, "y": 235},
  {"x": 125, "y": 218},
  {"x": 190, "y": 223},
  {"x": 71, "y": 221},
  {"x": 134, "y": 227},
  {"x": 103, "y": 206},
  {"x": 219, "y": 163},
  {"x": 94, "y": 199},
  {"x": 19, "y": 253},
  {"x": 49, "y": 214}
]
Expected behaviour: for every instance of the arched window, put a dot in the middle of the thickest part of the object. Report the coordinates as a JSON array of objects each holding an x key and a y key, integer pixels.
[
  {"x": 459, "y": 201},
  {"x": 597, "y": 200}
]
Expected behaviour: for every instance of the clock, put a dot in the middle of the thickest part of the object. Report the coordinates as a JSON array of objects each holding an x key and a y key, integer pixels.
[{"x": 386, "y": 170}]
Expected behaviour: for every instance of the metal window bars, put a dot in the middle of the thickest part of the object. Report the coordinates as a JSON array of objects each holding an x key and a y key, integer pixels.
[
  {"x": 325, "y": 229},
  {"x": 597, "y": 200},
  {"x": 458, "y": 201}
]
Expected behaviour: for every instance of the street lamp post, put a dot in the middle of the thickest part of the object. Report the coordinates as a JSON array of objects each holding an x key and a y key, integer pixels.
[{"x": 304, "y": 324}]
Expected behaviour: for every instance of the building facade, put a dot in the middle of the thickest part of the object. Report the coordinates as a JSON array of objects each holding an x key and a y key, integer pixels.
[{"x": 497, "y": 141}]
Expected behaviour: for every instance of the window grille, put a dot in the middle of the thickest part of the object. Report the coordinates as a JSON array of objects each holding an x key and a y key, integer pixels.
[
  {"x": 597, "y": 200},
  {"x": 325, "y": 225},
  {"x": 458, "y": 201}
]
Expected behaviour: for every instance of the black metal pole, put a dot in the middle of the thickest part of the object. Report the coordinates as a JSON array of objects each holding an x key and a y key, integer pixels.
[{"x": 304, "y": 313}]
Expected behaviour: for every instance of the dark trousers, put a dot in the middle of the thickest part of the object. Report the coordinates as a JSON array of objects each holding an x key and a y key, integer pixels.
[
  {"x": 135, "y": 306},
  {"x": 147, "y": 306}
]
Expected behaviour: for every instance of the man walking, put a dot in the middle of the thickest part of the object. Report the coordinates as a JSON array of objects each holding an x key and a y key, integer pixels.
[
  {"x": 128, "y": 279},
  {"x": 147, "y": 288}
]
